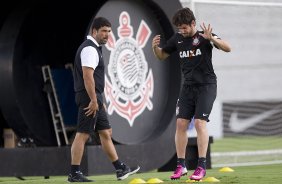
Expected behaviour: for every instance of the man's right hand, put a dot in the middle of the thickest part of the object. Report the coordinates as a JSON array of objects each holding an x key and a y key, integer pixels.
[
  {"x": 156, "y": 41},
  {"x": 92, "y": 108},
  {"x": 159, "y": 53}
]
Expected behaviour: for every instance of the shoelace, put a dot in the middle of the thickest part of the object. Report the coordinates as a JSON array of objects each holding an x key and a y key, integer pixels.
[
  {"x": 79, "y": 172},
  {"x": 178, "y": 169},
  {"x": 198, "y": 171}
]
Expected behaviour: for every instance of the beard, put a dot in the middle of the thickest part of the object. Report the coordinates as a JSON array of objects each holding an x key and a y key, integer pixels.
[{"x": 104, "y": 41}]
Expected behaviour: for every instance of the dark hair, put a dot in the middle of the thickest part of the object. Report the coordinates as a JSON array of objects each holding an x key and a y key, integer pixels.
[
  {"x": 99, "y": 22},
  {"x": 183, "y": 16}
]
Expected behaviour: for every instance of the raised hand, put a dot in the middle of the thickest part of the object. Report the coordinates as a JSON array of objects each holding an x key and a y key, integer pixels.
[
  {"x": 207, "y": 31},
  {"x": 156, "y": 41}
]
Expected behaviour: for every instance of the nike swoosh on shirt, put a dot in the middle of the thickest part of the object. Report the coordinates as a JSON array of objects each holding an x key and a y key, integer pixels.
[{"x": 239, "y": 125}]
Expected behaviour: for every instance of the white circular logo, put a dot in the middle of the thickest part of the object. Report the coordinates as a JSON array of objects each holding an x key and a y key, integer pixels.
[
  {"x": 127, "y": 68},
  {"x": 131, "y": 85}
]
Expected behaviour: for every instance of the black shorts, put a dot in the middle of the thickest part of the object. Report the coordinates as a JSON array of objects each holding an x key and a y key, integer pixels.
[
  {"x": 196, "y": 101},
  {"x": 90, "y": 124}
]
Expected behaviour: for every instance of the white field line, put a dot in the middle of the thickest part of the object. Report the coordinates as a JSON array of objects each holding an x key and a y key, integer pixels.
[
  {"x": 246, "y": 153},
  {"x": 247, "y": 164}
]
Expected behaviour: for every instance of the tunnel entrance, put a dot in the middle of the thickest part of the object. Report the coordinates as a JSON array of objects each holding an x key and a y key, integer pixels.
[{"x": 48, "y": 33}]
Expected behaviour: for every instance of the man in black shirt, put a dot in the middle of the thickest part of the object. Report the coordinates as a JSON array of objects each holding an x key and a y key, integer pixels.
[
  {"x": 89, "y": 79},
  {"x": 194, "y": 49}
]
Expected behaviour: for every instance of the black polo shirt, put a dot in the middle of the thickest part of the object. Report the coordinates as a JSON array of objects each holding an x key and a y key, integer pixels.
[{"x": 195, "y": 56}]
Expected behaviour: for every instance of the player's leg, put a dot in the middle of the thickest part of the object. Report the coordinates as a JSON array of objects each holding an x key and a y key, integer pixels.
[
  {"x": 181, "y": 138},
  {"x": 205, "y": 99},
  {"x": 184, "y": 112},
  {"x": 107, "y": 144},
  {"x": 202, "y": 143},
  {"x": 181, "y": 141},
  {"x": 77, "y": 147},
  {"x": 105, "y": 133},
  {"x": 202, "y": 138},
  {"x": 77, "y": 150},
  {"x": 84, "y": 128}
]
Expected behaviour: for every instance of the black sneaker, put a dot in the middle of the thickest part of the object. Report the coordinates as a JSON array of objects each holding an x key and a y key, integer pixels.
[
  {"x": 78, "y": 177},
  {"x": 124, "y": 173}
]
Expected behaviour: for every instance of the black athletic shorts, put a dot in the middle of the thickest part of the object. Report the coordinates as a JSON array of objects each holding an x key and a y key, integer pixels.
[
  {"x": 90, "y": 124},
  {"x": 196, "y": 101}
]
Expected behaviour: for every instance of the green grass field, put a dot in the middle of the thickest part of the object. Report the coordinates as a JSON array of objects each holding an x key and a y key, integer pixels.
[
  {"x": 249, "y": 144},
  {"x": 246, "y": 143},
  {"x": 267, "y": 174},
  {"x": 264, "y": 174}
]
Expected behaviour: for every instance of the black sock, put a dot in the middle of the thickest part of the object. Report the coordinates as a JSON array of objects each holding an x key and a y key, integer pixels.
[
  {"x": 202, "y": 162},
  {"x": 74, "y": 169},
  {"x": 181, "y": 161},
  {"x": 118, "y": 165}
]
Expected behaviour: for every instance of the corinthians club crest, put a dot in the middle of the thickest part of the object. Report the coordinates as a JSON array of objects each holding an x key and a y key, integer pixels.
[{"x": 130, "y": 87}]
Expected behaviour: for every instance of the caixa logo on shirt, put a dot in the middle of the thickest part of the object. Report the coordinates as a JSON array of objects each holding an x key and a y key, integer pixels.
[
  {"x": 190, "y": 53},
  {"x": 130, "y": 87}
]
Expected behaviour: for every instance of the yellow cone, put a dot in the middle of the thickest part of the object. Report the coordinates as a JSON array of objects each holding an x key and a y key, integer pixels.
[
  {"x": 226, "y": 169},
  {"x": 211, "y": 179},
  {"x": 154, "y": 180},
  {"x": 192, "y": 181},
  {"x": 137, "y": 181}
]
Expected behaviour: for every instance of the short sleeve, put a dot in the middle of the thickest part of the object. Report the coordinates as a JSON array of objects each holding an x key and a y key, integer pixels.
[
  {"x": 170, "y": 46},
  {"x": 215, "y": 36},
  {"x": 89, "y": 57}
]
